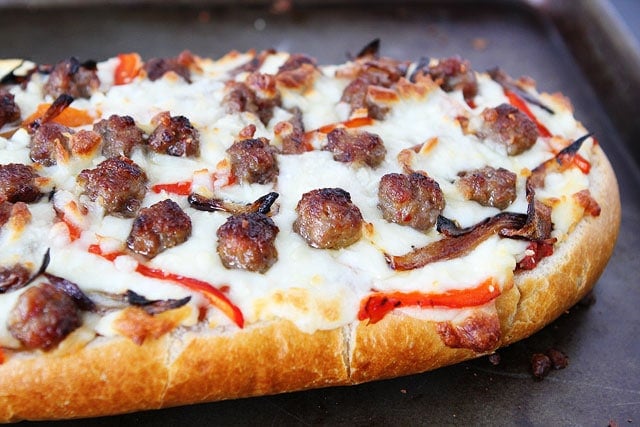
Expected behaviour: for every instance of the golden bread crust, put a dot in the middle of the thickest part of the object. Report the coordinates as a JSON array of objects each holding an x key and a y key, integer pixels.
[{"x": 114, "y": 375}]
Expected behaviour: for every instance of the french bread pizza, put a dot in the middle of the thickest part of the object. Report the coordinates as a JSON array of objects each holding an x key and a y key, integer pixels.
[{"x": 185, "y": 229}]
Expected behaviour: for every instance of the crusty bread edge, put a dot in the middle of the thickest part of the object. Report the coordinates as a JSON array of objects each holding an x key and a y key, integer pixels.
[{"x": 115, "y": 375}]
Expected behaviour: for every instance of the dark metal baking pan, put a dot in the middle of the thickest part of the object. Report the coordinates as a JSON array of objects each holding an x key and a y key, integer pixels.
[{"x": 573, "y": 47}]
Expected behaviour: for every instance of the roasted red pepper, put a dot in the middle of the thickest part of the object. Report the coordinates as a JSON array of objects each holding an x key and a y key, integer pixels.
[
  {"x": 182, "y": 188},
  {"x": 214, "y": 295},
  {"x": 521, "y": 105},
  {"x": 128, "y": 68},
  {"x": 540, "y": 249},
  {"x": 377, "y": 305}
]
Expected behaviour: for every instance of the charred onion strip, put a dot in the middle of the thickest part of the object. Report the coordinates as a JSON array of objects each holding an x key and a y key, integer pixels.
[
  {"x": 261, "y": 205},
  {"x": 564, "y": 159},
  {"x": 500, "y": 77},
  {"x": 213, "y": 294},
  {"x": 13, "y": 282},
  {"x": 458, "y": 243},
  {"x": 54, "y": 110},
  {"x": 81, "y": 299},
  {"x": 154, "y": 306}
]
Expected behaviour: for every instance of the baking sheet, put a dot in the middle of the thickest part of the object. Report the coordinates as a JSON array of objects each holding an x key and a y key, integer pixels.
[{"x": 602, "y": 382}]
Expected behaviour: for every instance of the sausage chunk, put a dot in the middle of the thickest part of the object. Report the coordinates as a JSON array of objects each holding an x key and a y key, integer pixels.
[
  {"x": 415, "y": 200},
  {"x": 488, "y": 186},
  {"x": 158, "y": 67},
  {"x": 42, "y": 317},
  {"x": 18, "y": 183},
  {"x": 511, "y": 127},
  {"x": 9, "y": 111},
  {"x": 359, "y": 148},
  {"x": 118, "y": 184},
  {"x": 72, "y": 78},
  {"x": 328, "y": 219},
  {"x": 14, "y": 277},
  {"x": 253, "y": 161},
  {"x": 242, "y": 97},
  {"x": 119, "y": 135},
  {"x": 247, "y": 242},
  {"x": 49, "y": 142},
  {"x": 174, "y": 135},
  {"x": 158, "y": 227},
  {"x": 455, "y": 73}
]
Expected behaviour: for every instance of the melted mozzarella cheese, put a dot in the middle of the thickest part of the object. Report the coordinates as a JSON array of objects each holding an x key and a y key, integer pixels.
[{"x": 316, "y": 289}]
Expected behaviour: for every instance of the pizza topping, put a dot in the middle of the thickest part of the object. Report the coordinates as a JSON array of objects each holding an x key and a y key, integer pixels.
[
  {"x": 158, "y": 67},
  {"x": 18, "y": 183},
  {"x": 58, "y": 112},
  {"x": 261, "y": 205},
  {"x": 452, "y": 74},
  {"x": 117, "y": 184},
  {"x": 516, "y": 87},
  {"x": 536, "y": 251},
  {"x": 50, "y": 144},
  {"x": 538, "y": 225},
  {"x": 377, "y": 305},
  {"x": 72, "y": 78},
  {"x": 253, "y": 161},
  {"x": 161, "y": 226},
  {"x": 81, "y": 300},
  {"x": 129, "y": 66},
  {"x": 14, "y": 277},
  {"x": 246, "y": 241},
  {"x": 356, "y": 147},
  {"x": 155, "y": 306},
  {"x": 457, "y": 242},
  {"x": 297, "y": 72},
  {"x": 488, "y": 186},
  {"x": 291, "y": 134},
  {"x": 9, "y": 111},
  {"x": 174, "y": 135},
  {"x": 510, "y": 127},
  {"x": 561, "y": 161},
  {"x": 415, "y": 200},
  {"x": 328, "y": 219},
  {"x": 43, "y": 316},
  {"x": 119, "y": 135},
  {"x": 84, "y": 143},
  {"x": 479, "y": 332},
  {"x": 239, "y": 97}
]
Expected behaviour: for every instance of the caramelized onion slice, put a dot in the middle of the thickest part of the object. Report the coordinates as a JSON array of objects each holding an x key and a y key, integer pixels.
[
  {"x": 457, "y": 241},
  {"x": 81, "y": 299},
  {"x": 155, "y": 306},
  {"x": 261, "y": 205}
]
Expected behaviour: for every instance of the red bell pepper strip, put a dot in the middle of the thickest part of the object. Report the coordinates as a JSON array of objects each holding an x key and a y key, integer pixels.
[
  {"x": 521, "y": 105},
  {"x": 128, "y": 68},
  {"x": 378, "y": 304},
  {"x": 214, "y": 295},
  {"x": 182, "y": 188}
]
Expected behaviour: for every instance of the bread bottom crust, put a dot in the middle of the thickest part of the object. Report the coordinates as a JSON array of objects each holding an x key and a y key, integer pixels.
[{"x": 112, "y": 376}]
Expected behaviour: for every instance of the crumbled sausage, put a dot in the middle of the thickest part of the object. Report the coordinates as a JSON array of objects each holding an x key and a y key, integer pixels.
[
  {"x": 247, "y": 242},
  {"x": 357, "y": 147},
  {"x": 18, "y": 183},
  {"x": 558, "y": 359},
  {"x": 242, "y": 97},
  {"x": 253, "y": 160},
  {"x": 42, "y": 317},
  {"x": 9, "y": 110},
  {"x": 118, "y": 184},
  {"x": 14, "y": 277},
  {"x": 415, "y": 200},
  {"x": 291, "y": 133},
  {"x": 453, "y": 74},
  {"x": 72, "y": 78},
  {"x": 328, "y": 219},
  {"x": 509, "y": 126},
  {"x": 488, "y": 186},
  {"x": 158, "y": 67},
  {"x": 119, "y": 135},
  {"x": 49, "y": 142},
  {"x": 161, "y": 226},
  {"x": 174, "y": 135}
]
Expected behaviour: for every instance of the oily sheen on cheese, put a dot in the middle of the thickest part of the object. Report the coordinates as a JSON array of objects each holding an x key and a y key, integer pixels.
[
  {"x": 183, "y": 230},
  {"x": 314, "y": 289}
]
